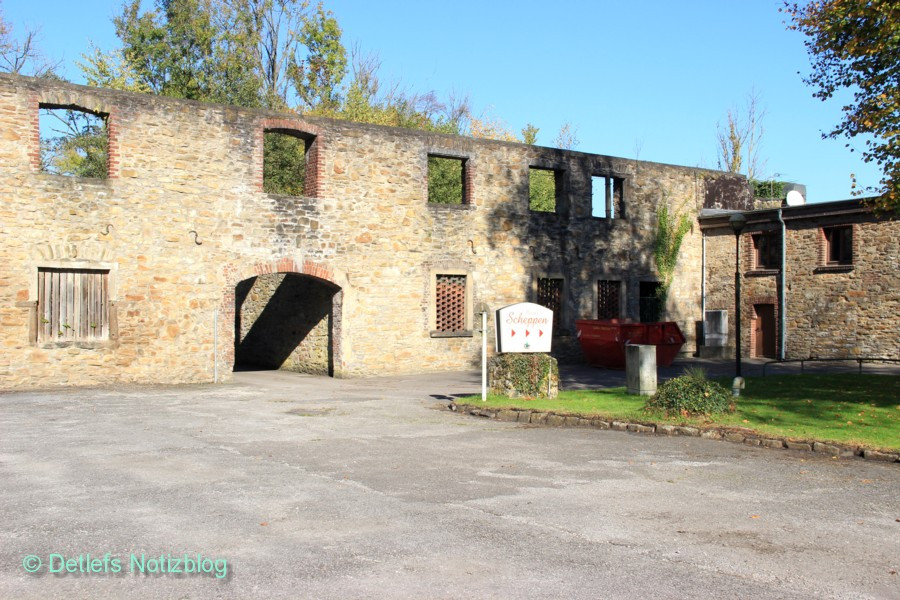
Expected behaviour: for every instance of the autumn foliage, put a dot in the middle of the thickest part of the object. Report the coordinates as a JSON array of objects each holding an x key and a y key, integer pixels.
[{"x": 854, "y": 45}]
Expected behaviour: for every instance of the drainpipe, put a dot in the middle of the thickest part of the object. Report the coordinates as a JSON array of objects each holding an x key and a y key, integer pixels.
[
  {"x": 702, "y": 287},
  {"x": 782, "y": 317}
]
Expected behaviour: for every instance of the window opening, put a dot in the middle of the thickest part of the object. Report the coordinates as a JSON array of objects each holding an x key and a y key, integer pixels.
[
  {"x": 543, "y": 189},
  {"x": 650, "y": 306},
  {"x": 446, "y": 180},
  {"x": 765, "y": 251},
  {"x": 73, "y": 141},
  {"x": 606, "y": 196},
  {"x": 839, "y": 245},
  {"x": 284, "y": 163}
]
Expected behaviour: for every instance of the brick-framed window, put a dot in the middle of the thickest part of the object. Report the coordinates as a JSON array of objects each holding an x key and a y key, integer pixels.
[
  {"x": 836, "y": 249},
  {"x": 608, "y": 299},
  {"x": 450, "y": 180},
  {"x": 607, "y": 197},
  {"x": 766, "y": 251},
  {"x": 289, "y": 158},
  {"x": 73, "y": 305},
  {"x": 73, "y": 140},
  {"x": 450, "y": 310},
  {"x": 550, "y": 294}
]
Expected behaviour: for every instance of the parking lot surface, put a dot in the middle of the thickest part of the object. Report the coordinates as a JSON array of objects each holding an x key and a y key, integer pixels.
[{"x": 305, "y": 487}]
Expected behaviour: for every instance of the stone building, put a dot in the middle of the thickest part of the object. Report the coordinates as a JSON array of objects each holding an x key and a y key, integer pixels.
[
  {"x": 176, "y": 263},
  {"x": 840, "y": 292}
]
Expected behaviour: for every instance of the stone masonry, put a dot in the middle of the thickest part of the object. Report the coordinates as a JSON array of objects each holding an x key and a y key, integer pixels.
[
  {"x": 832, "y": 311},
  {"x": 181, "y": 221}
]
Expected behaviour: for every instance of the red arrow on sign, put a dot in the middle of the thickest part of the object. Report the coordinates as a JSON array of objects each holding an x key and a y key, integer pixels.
[
  {"x": 540, "y": 332},
  {"x": 527, "y": 333},
  {"x": 512, "y": 333}
]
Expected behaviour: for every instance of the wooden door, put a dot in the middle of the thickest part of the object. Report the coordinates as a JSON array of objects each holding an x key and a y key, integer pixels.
[{"x": 764, "y": 330}]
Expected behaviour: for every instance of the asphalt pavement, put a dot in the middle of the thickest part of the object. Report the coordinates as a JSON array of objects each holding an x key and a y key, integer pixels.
[{"x": 291, "y": 486}]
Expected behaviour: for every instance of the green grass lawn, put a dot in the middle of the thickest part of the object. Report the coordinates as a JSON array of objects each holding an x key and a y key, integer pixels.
[{"x": 847, "y": 408}]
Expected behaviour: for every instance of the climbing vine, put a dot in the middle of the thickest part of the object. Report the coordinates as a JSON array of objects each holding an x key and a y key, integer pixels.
[{"x": 671, "y": 227}]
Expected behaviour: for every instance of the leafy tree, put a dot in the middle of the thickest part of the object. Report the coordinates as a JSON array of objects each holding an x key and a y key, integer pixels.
[
  {"x": 529, "y": 134},
  {"x": 254, "y": 53},
  {"x": 855, "y": 45},
  {"x": 316, "y": 78}
]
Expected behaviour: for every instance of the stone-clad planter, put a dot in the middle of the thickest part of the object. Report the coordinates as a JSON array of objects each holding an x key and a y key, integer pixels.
[{"x": 728, "y": 434}]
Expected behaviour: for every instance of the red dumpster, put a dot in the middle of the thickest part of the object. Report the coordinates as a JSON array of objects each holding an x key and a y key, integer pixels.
[{"x": 603, "y": 342}]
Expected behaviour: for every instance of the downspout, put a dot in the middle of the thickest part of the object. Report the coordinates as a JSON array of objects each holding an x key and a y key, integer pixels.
[
  {"x": 782, "y": 317},
  {"x": 702, "y": 288}
]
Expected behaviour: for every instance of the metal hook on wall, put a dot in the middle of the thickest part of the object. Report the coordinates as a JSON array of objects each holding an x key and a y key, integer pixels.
[
  {"x": 196, "y": 237},
  {"x": 108, "y": 227},
  {"x": 472, "y": 246}
]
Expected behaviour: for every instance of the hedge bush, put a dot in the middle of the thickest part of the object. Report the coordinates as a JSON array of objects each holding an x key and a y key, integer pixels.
[{"x": 691, "y": 394}]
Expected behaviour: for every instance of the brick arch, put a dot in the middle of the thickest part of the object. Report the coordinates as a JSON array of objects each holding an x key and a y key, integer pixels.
[
  {"x": 315, "y": 155},
  {"x": 234, "y": 274}
]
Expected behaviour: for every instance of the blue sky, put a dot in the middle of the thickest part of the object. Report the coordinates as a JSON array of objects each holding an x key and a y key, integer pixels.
[{"x": 647, "y": 80}]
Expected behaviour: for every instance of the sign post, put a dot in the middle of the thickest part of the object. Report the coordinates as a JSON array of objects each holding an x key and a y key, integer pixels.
[
  {"x": 482, "y": 308},
  {"x": 524, "y": 327}
]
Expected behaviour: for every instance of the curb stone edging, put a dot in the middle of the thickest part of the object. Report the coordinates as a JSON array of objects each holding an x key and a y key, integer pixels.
[{"x": 728, "y": 434}]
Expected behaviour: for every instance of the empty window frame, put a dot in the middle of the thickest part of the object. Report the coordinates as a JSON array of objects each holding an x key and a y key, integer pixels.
[
  {"x": 544, "y": 188},
  {"x": 607, "y": 196},
  {"x": 608, "y": 305},
  {"x": 766, "y": 251},
  {"x": 447, "y": 180},
  {"x": 550, "y": 295},
  {"x": 73, "y": 305},
  {"x": 838, "y": 245},
  {"x": 450, "y": 303},
  {"x": 285, "y": 162},
  {"x": 650, "y": 306},
  {"x": 73, "y": 141}
]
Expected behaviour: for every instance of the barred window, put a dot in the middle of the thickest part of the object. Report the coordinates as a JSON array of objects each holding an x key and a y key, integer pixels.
[
  {"x": 608, "y": 299},
  {"x": 550, "y": 295},
  {"x": 450, "y": 303},
  {"x": 73, "y": 305}
]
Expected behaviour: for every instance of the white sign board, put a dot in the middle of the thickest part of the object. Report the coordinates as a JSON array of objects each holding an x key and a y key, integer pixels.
[{"x": 524, "y": 327}]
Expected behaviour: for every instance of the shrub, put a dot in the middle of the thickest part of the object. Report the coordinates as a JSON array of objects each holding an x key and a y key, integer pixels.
[{"x": 690, "y": 394}]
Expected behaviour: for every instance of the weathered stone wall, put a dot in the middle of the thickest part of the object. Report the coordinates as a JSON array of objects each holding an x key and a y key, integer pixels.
[
  {"x": 831, "y": 311},
  {"x": 182, "y": 219}
]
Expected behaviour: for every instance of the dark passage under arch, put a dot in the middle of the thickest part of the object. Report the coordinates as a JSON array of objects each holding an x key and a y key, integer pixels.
[{"x": 286, "y": 321}]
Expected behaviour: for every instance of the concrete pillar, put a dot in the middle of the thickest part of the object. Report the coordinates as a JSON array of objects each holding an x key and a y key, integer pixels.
[{"x": 640, "y": 369}]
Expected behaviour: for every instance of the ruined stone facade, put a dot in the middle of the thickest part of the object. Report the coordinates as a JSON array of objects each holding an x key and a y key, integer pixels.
[
  {"x": 842, "y": 280},
  {"x": 175, "y": 235}
]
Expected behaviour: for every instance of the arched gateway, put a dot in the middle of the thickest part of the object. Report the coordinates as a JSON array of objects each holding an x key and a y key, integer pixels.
[{"x": 286, "y": 316}]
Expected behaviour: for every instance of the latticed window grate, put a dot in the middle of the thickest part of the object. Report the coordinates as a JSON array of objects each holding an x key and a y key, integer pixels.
[
  {"x": 450, "y": 303},
  {"x": 608, "y": 299},
  {"x": 549, "y": 294},
  {"x": 73, "y": 304}
]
